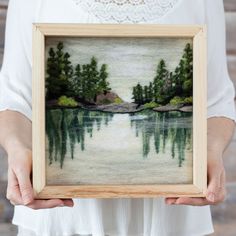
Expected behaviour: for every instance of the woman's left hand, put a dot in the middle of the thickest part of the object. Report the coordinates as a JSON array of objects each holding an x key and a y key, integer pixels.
[{"x": 216, "y": 190}]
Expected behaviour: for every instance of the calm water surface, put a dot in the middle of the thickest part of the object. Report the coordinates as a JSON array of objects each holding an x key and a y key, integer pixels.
[{"x": 145, "y": 147}]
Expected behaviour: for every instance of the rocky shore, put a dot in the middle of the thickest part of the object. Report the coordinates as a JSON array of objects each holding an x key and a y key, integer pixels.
[
  {"x": 124, "y": 107},
  {"x": 169, "y": 107},
  {"x": 111, "y": 102}
]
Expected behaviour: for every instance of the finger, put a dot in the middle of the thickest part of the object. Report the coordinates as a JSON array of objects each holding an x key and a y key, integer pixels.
[
  {"x": 68, "y": 202},
  {"x": 192, "y": 201},
  {"x": 46, "y": 204},
  {"x": 170, "y": 201},
  {"x": 13, "y": 190},
  {"x": 25, "y": 186},
  {"x": 215, "y": 185}
]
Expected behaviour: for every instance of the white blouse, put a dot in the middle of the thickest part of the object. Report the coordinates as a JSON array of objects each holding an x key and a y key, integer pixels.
[{"x": 123, "y": 217}]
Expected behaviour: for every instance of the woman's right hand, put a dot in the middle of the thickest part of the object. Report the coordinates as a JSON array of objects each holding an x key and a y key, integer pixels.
[
  {"x": 16, "y": 139},
  {"x": 19, "y": 189}
]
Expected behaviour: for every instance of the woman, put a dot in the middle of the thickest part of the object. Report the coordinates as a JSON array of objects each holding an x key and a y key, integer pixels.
[{"x": 130, "y": 217}]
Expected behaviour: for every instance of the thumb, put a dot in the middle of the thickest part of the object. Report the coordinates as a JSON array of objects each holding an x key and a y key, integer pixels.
[
  {"x": 214, "y": 185},
  {"x": 27, "y": 193}
]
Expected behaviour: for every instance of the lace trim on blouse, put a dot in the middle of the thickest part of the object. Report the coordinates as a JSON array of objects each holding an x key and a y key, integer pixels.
[{"x": 127, "y": 10}]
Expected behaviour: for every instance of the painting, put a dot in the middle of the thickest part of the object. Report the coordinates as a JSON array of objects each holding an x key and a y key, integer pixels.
[{"x": 119, "y": 112}]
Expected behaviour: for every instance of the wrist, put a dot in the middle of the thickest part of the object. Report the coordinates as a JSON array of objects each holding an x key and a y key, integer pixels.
[
  {"x": 215, "y": 157},
  {"x": 16, "y": 147}
]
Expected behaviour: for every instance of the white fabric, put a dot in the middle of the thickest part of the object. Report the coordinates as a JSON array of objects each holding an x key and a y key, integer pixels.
[
  {"x": 123, "y": 217},
  {"x": 128, "y": 11}
]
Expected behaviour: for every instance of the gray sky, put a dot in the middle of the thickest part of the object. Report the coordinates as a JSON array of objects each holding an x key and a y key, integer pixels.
[{"x": 129, "y": 60}]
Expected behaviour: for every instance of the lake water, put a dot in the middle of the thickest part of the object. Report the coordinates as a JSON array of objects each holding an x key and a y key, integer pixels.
[{"x": 92, "y": 147}]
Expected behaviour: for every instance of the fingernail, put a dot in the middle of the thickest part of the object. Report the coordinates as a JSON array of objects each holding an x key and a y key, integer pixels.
[
  {"x": 61, "y": 205},
  {"x": 211, "y": 197},
  {"x": 170, "y": 202}
]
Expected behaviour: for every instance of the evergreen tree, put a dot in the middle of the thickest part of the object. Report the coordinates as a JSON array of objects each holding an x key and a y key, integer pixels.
[
  {"x": 167, "y": 85},
  {"x": 59, "y": 73},
  {"x": 53, "y": 73},
  {"x": 184, "y": 73},
  {"x": 150, "y": 91},
  {"x": 103, "y": 85},
  {"x": 87, "y": 89},
  {"x": 135, "y": 94},
  {"x": 140, "y": 99},
  {"x": 159, "y": 81},
  {"x": 94, "y": 78},
  {"x": 77, "y": 82},
  {"x": 88, "y": 81},
  {"x": 146, "y": 94}
]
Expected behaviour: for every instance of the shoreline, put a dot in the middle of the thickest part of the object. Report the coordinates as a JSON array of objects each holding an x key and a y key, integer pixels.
[{"x": 124, "y": 107}]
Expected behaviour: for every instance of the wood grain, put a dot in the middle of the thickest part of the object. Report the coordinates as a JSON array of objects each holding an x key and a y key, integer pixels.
[
  {"x": 118, "y": 30},
  {"x": 124, "y": 191},
  {"x": 200, "y": 110},
  {"x": 38, "y": 107}
]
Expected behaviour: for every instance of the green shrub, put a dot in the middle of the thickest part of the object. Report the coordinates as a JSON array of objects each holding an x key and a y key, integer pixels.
[
  {"x": 151, "y": 104},
  {"x": 188, "y": 100},
  {"x": 67, "y": 101},
  {"x": 118, "y": 101},
  {"x": 177, "y": 101}
]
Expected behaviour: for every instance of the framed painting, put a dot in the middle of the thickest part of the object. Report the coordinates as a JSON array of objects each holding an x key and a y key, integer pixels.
[{"x": 119, "y": 110}]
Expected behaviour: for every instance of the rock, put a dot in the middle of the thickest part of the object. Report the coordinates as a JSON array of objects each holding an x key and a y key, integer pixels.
[
  {"x": 107, "y": 98},
  {"x": 51, "y": 103},
  {"x": 186, "y": 109},
  {"x": 124, "y": 107},
  {"x": 168, "y": 107}
]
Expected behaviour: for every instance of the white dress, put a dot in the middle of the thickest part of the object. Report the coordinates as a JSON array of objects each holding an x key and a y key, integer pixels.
[{"x": 113, "y": 217}]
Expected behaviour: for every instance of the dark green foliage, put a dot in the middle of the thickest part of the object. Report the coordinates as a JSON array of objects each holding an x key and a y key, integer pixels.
[
  {"x": 167, "y": 85},
  {"x": 184, "y": 73},
  {"x": 72, "y": 124},
  {"x": 83, "y": 83},
  {"x": 150, "y": 92},
  {"x": 59, "y": 73},
  {"x": 103, "y": 85},
  {"x": 88, "y": 81},
  {"x": 160, "y": 82},
  {"x": 159, "y": 127}
]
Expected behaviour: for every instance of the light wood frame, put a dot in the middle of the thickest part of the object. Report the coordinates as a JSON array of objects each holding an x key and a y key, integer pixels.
[{"x": 197, "y": 33}]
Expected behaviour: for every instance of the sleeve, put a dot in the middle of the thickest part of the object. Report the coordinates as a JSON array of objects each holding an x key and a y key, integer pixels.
[
  {"x": 15, "y": 74},
  {"x": 221, "y": 91}
]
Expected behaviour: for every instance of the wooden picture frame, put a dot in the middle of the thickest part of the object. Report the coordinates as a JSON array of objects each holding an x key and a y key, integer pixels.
[{"x": 199, "y": 185}]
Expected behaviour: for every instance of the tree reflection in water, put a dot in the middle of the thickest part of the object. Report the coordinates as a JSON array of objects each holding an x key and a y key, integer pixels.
[
  {"x": 73, "y": 125},
  {"x": 62, "y": 124},
  {"x": 163, "y": 126}
]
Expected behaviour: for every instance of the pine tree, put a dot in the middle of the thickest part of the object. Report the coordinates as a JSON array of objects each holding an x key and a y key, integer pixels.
[
  {"x": 150, "y": 91},
  {"x": 59, "y": 73},
  {"x": 135, "y": 94},
  {"x": 103, "y": 85},
  {"x": 146, "y": 94},
  {"x": 53, "y": 73},
  {"x": 87, "y": 84},
  {"x": 140, "y": 99},
  {"x": 94, "y": 78},
  {"x": 77, "y": 82},
  {"x": 184, "y": 73},
  {"x": 159, "y": 81}
]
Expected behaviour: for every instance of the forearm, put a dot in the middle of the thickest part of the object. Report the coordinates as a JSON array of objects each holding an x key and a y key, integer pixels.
[
  {"x": 15, "y": 130},
  {"x": 219, "y": 134}
]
